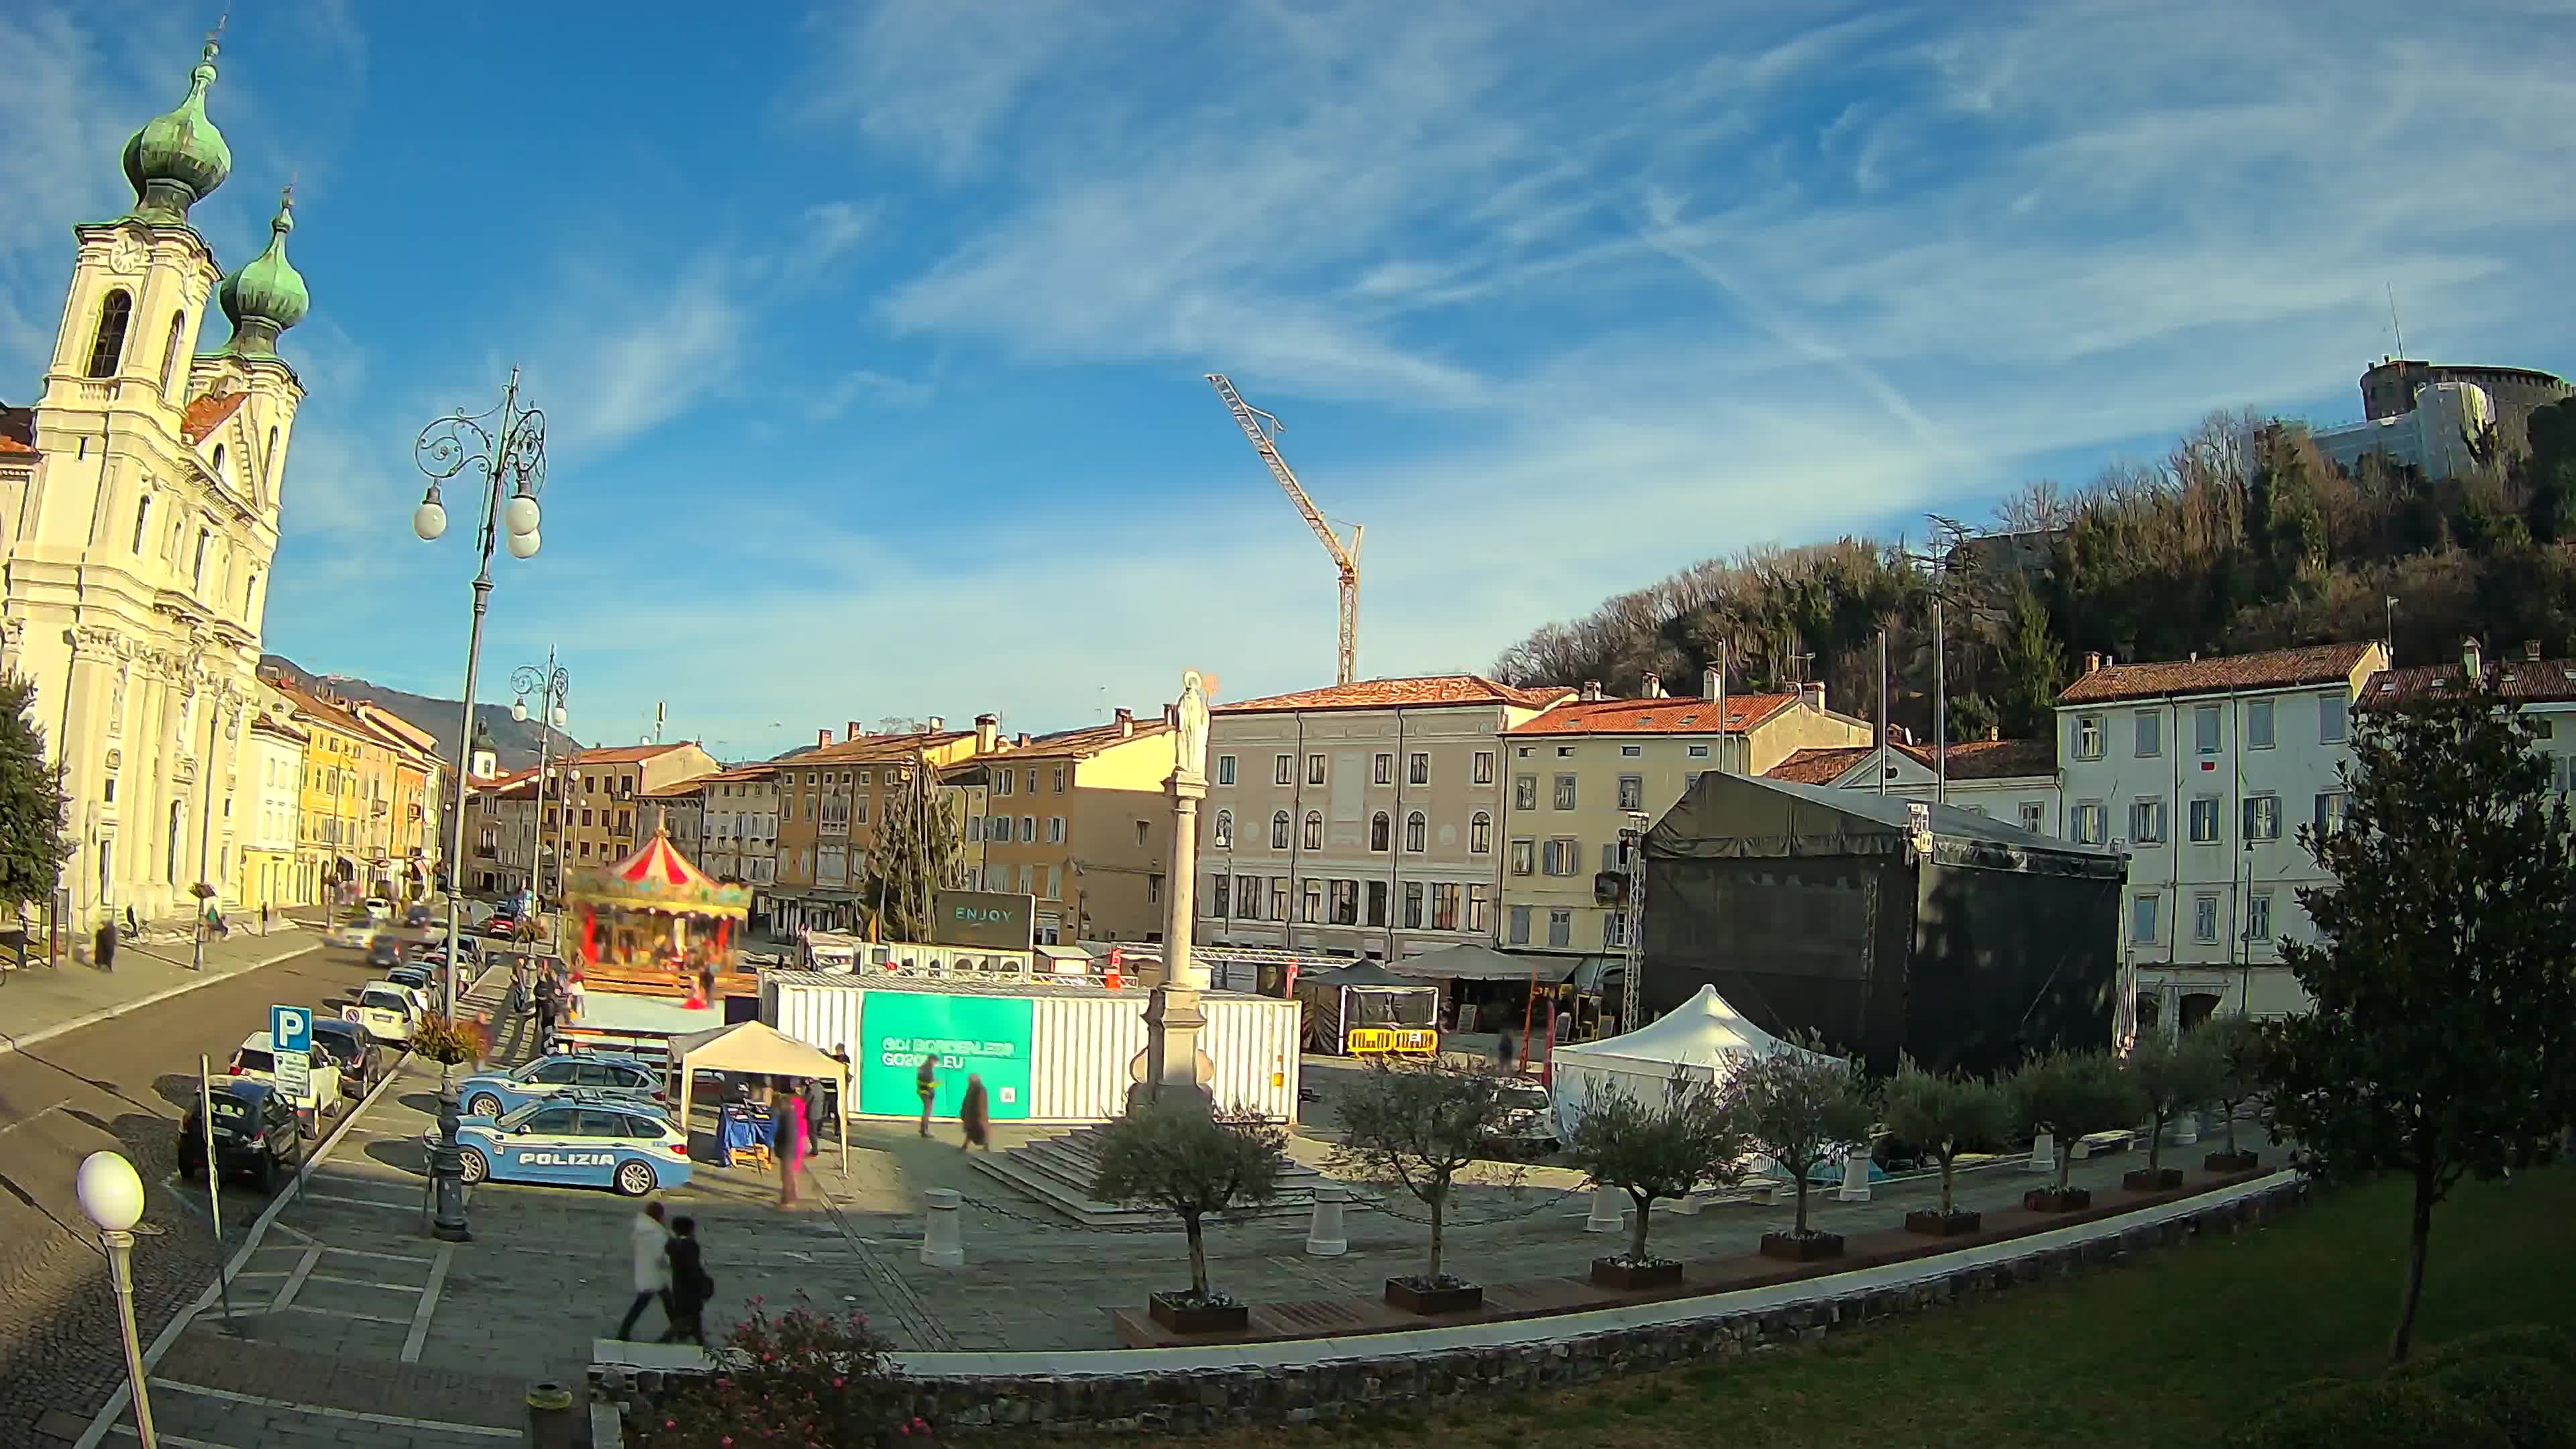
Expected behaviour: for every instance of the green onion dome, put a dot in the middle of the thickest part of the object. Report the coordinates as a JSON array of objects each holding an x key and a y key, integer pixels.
[
  {"x": 267, "y": 295},
  {"x": 178, "y": 159}
]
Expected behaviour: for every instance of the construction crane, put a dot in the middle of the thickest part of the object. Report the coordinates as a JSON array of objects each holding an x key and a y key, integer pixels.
[{"x": 1346, "y": 557}]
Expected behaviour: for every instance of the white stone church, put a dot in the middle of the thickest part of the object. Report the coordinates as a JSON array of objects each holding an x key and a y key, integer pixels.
[{"x": 139, "y": 505}]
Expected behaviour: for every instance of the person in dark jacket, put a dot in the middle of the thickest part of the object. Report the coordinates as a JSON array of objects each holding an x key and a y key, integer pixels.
[
  {"x": 105, "y": 945},
  {"x": 690, "y": 1285},
  {"x": 975, "y": 1116}
]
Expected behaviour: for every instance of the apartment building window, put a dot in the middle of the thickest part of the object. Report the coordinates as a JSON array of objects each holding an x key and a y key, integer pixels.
[
  {"x": 2087, "y": 823},
  {"x": 1055, "y": 830},
  {"x": 2151, "y": 733},
  {"x": 2205, "y": 729},
  {"x": 1314, "y": 769},
  {"x": 1561, "y": 857},
  {"x": 1225, "y": 769},
  {"x": 2258, "y": 919},
  {"x": 2204, "y": 919},
  {"x": 1314, "y": 903},
  {"x": 1346, "y": 903},
  {"x": 585, "y": 817},
  {"x": 1314, "y": 830},
  {"x": 2142, "y": 919},
  {"x": 2088, "y": 737},
  {"x": 1382, "y": 769},
  {"x": 1279, "y": 831},
  {"x": 1521, "y": 853},
  {"x": 1413, "y": 905},
  {"x": 1444, "y": 905},
  {"x": 1480, "y": 833},
  {"x": 1484, "y": 768},
  {"x": 1247, "y": 897},
  {"x": 1525, "y": 792},
  {"x": 1377, "y": 903},
  {"x": 1028, "y": 830},
  {"x": 1225, "y": 830},
  {"x": 1564, "y": 792},
  {"x": 1283, "y": 770},
  {"x": 1381, "y": 832},
  {"x": 1480, "y": 905},
  {"x": 1565, "y": 752},
  {"x": 1632, "y": 792},
  {"x": 1697, "y": 752},
  {"x": 1002, "y": 782},
  {"x": 1417, "y": 769},
  {"x": 1560, "y": 928},
  {"x": 2258, "y": 724},
  {"x": 859, "y": 810},
  {"x": 2262, "y": 817},
  {"x": 1614, "y": 930},
  {"x": 1516, "y": 927},
  {"x": 1028, "y": 880},
  {"x": 2147, "y": 822},
  {"x": 1417, "y": 832},
  {"x": 1279, "y": 898},
  {"x": 2034, "y": 817},
  {"x": 2204, "y": 820},
  {"x": 2329, "y": 812},
  {"x": 1059, "y": 779},
  {"x": 1221, "y": 897},
  {"x": 2333, "y": 719}
]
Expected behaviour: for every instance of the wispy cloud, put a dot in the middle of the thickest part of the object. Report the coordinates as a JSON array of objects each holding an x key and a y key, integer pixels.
[{"x": 675, "y": 344}]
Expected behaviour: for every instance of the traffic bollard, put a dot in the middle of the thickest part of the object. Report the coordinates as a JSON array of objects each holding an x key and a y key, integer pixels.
[
  {"x": 1324, "y": 1234},
  {"x": 941, "y": 1247},
  {"x": 552, "y": 1424},
  {"x": 2043, "y": 1153},
  {"x": 1855, "y": 1186},
  {"x": 1609, "y": 1210}
]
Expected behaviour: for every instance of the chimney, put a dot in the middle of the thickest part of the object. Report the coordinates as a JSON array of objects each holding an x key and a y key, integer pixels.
[
  {"x": 988, "y": 731},
  {"x": 1023, "y": 740},
  {"x": 2092, "y": 662},
  {"x": 1591, "y": 689},
  {"x": 2473, "y": 659},
  {"x": 855, "y": 733},
  {"x": 1126, "y": 723},
  {"x": 938, "y": 724},
  {"x": 1709, "y": 684},
  {"x": 2531, "y": 650},
  {"x": 1994, "y": 734},
  {"x": 822, "y": 738},
  {"x": 1813, "y": 695},
  {"x": 1654, "y": 685}
]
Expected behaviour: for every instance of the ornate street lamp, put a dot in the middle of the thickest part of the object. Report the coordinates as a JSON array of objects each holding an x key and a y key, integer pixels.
[
  {"x": 112, "y": 1195},
  {"x": 552, "y": 685}
]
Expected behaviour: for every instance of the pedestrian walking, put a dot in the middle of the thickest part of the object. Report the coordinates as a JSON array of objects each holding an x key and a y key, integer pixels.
[
  {"x": 815, "y": 1110},
  {"x": 133, "y": 924},
  {"x": 648, "y": 1239},
  {"x": 263, "y": 918},
  {"x": 545, "y": 1005},
  {"x": 974, "y": 1116},
  {"x": 691, "y": 1286},
  {"x": 927, "y": 1080},
  {"x": 104, "y": 945},
  {"x": 789, "y": 1116},
  {"x": 1507, "y": 1054}
]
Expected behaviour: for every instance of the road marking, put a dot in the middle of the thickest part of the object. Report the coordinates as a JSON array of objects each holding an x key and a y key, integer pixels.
[
  {"x": 326, "y": 1411},
  {"x": 295, "y": 1280},
  {"x": 344, "y": 1313},
  {"x": 175, "y": 1441},
  {"x": 360, "y": 1283},
  {"x": 428, "y": 1305},
  {"x": 387, "y": 1257},
  {"x": 400, "y": 1207},
  {"x": 32, "y": 1116}
]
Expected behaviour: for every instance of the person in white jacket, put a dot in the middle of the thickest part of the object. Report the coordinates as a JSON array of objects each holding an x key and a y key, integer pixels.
[{"x": 649, "y": 1237}]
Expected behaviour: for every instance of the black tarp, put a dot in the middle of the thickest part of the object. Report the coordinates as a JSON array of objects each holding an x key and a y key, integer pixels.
[{"x": 1811, "y": 910}]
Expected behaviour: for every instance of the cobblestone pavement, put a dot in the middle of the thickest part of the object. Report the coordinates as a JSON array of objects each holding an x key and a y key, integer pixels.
[{"x": 121, "y": 1084}]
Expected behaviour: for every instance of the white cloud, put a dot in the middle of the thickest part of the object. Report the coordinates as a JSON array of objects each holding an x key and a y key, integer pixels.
[
  {"x": 938, "y": 76},
  {"x": 677, "y": 343}
]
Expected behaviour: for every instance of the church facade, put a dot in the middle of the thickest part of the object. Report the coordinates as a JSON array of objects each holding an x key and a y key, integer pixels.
[{"x": 139, "y": 506}]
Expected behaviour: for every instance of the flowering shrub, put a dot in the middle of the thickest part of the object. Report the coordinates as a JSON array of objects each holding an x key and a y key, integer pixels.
[
  {"x": 798, "y": 1379},
  {"x": 451, "y": 1041}
]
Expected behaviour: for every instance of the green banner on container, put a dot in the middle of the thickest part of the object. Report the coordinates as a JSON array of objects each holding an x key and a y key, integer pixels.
[{"x": 984, "y": 1036}]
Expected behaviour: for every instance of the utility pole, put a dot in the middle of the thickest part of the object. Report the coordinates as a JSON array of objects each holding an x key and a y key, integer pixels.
[
  {"x": 1882, "y": 711},
  {"x": 1940, "y": 705}
]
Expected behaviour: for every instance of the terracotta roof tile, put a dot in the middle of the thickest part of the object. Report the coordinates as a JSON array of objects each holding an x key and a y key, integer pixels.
[
  {"x": 2272, "y": 669},
  {"x": 207, "y": 413},
  {"x": 2531, "y": 681},
  {"x": 1993, "y": 759},
  {"x": 1078, "y": 744},
  {"x": 12, "y": 445},
  {"x": 624, "y": 754},
  {"x": 1413, "y": 693},
  {"x": 870, "y": 748},
  {"x": 1668, "y": 716},
  {"x": 1818, "y": 767}
]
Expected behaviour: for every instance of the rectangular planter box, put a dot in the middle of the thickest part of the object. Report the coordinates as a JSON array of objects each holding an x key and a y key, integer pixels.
[
  {"x": 1607, "y": 1273},
  {"x": 2152, "y": 1179},
  {"x": 1198, "y": 1318},
  {"x": 1931, "y": 1223},
  {"x": 1814, "y": 1247},
  {"x": 1464, "y": 1298},
  {"x": 2050, "y": 1200},
  {"x": 2232, "y": 1161}
]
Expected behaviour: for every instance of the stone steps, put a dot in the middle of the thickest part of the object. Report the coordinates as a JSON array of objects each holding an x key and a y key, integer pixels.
[{"x": 1058, "y": 1172}]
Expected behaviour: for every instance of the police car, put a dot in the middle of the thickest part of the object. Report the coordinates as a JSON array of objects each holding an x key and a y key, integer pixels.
[
  {"x": 489, "y": 1094},
  {"x": 577, "y": 1140}
]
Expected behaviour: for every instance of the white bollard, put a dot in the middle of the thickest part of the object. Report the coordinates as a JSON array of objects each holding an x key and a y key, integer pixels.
[
  {"x": 1609, "y": 1210},
  {"x": 1855, "y": 1186},
  {"x": 1324, "y": 1235},
  {"x": 2043, "y": 1152},
  {"x": 940, "y": 1245},
  {"x": 2186, "y": 1129}
]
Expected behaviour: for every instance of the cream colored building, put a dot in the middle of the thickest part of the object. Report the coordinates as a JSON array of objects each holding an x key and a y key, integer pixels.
[
  {"x": 740, "y": 823},
  {"x": 139, "y": 508},
  {"x": 1576, "y": 773},
  {"x": 274, "y": 761},
  {"x": 1360, "y": 820},
  {"x": 1082, "y": 821}
]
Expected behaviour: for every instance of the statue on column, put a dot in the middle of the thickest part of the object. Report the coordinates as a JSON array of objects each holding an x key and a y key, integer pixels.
[{"x": 1190, "y": 746}]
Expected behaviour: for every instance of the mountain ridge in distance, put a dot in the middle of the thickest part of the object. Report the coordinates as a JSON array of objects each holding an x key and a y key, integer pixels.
[{"x": 514, "y": 742}]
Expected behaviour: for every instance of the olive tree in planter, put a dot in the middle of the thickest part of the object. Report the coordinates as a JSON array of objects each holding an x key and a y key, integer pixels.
[
  {"x": 2236, "y": 1046},
  {"x": 1652, "y": 1151},
  {"x": 1801, "y": 1106},
  {"x": 1177, "y": 1157},
  {"x": 1945, "y": 1114},
  {"x": 1415, "y": 1127},
  {"x": 2072, "y": 1095},
  {"x": 2171, "y": 1075}
]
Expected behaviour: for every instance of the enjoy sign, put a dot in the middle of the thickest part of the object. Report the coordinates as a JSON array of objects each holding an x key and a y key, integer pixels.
[{"x": 991, "y": 919}]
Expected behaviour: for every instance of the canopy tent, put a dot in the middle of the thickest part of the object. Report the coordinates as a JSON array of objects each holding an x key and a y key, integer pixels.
[
  {"x": 757, "y": 1049},
  {"x": 1471, "y": 962},
  {"x": 1701, "y": 1039},
  {"x": 1361, "y": 994}
]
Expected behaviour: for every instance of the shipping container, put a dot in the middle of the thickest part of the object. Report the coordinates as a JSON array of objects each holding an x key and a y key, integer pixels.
[{"x": 1048, "y": 1052}]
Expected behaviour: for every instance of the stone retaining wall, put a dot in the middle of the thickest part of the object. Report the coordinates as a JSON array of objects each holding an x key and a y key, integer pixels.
[{"x": 1210, "y": 1398}]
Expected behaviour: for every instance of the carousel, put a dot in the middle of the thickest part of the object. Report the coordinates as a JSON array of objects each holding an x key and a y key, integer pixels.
[{"x": 653, "y": 924}]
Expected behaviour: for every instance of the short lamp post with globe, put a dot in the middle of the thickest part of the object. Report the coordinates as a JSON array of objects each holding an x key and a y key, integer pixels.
[{"x": 111, "y": 1194}]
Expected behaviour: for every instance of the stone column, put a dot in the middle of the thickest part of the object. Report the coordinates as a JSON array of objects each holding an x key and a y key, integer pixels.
[{"x": 1172, "y": 1017}]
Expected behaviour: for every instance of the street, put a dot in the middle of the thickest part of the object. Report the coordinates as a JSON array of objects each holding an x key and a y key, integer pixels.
[{"x": 122, "y": 1084}]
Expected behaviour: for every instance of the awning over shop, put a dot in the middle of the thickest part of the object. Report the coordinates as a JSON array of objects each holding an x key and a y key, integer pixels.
[{"x": 1471, "y": 962}]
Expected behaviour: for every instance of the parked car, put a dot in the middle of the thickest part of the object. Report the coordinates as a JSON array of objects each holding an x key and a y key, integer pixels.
[
  {"x": 254, "y": 1130},
  {"x": 420, "y": 976},
  {"x": 355, "y": 1053},
  {"x": 501, "y": 927},
  {"x": 379, "y": 909},
  {"x": 383, "y": 952},
  {"x": 491, "y": 1094},
  {"x": 385, "y": 1011},
  {"x": 419, "y": 915},
  {"x": 1528, "y": 1128},
  {"x": 577, "y": 1144},
  {"x": 256, "y": 1060}
]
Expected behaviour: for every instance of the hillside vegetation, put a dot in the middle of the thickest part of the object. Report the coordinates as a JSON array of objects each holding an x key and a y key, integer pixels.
[{"x": 2243, "y": 537}]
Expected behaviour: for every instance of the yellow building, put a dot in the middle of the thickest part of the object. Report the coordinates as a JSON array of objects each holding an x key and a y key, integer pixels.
[
  {"x": 1081, "y": 820},
  {"x": 830, "y": 801},
  {"x": 353, "y": 779},
  {"x": 273, "y": 761}
]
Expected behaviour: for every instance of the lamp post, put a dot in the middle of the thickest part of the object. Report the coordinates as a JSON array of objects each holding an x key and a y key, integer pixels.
[
  {"x": 570, "y": 775},
  {"x": 506, "y": 446},
  {"x": 112, "y": 1195},
  {"x": 552, "y": 685}
]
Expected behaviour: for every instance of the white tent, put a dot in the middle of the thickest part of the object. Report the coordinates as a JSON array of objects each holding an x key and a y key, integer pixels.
[
  {"x": 1700, "y": 1038},
  {"x": 760, "y": 1050}
]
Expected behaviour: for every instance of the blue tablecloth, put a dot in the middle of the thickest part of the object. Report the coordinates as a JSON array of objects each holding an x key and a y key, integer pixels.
[{"x": 739, "y": 1129}]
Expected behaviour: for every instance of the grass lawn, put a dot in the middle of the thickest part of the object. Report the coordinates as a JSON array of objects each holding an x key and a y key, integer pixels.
[{"x": 2166, "y": 1350}]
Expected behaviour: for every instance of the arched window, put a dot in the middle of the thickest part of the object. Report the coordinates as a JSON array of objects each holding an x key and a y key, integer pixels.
[
  {"x": 197, "y": 573},
  {"x": 1480, "y": 833},
  {"x": 219, "y": 462},
  {"x": 107, "y": 348},
  {"x": 268, "y": 460},
  {"x": 1381, "y": 832},
  {"x": 175, "y": 817},
  {"x": 1279, "y": 831},
  {"x": 142, "y": 523},
  {"x": 1416, "y": 831},
  {"x": 1224, "y": 830},
  {"x": 1314, "y": 830},
  {"x": 170, "y": 355}
]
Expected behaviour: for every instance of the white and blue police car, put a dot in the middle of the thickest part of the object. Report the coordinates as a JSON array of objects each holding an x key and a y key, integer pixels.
[
  {"x": 577, "y": 1141},
  {"x": 490, "y": 1094}
]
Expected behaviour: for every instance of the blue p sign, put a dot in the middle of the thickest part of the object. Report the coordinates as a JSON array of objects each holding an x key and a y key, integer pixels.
[{"x": 290, "y": 1028}]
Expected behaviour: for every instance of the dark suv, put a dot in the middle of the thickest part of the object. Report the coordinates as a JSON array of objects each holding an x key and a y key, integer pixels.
[
  {"x": 255, "y": 1134},
  {"x": 356, "y": 1053}
]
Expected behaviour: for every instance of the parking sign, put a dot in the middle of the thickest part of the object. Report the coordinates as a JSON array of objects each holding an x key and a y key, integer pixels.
[{"x": 290, "y": 1033}]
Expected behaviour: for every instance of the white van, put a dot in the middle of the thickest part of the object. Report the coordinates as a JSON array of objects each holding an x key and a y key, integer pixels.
[{"x": 256, "y": 1060}]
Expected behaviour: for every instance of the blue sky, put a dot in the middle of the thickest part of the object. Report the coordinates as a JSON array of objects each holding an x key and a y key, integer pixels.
[{"x": 871, "y": 337}]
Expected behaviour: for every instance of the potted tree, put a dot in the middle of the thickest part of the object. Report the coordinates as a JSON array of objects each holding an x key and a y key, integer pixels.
[
  {"x": 1654, "y": 1151},
  {"x": 1177, "y": 1157},
  {"x": 2170, "y": 1075},
  {"x": 1415, "y": 1127},
  {"x": 1799, "y": 1106},
  {"x": 2236, "y": 1044},
  {"x": 1944, "y": 1114},
  {"x": 2071, "y": 1094}
]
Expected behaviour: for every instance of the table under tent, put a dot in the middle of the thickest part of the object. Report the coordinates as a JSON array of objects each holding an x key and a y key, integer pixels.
[
  {"x": 755, "y": 1049},
  {"x": 1360, "y": 996}
]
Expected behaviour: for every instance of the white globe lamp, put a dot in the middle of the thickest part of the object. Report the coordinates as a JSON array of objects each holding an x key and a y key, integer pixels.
[
  {"x": 519, "y": 515},
  {"x": 429, "y": 520},
  {"x": 110, "y": 1192},
  {"x": 523, "y": 545}
]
